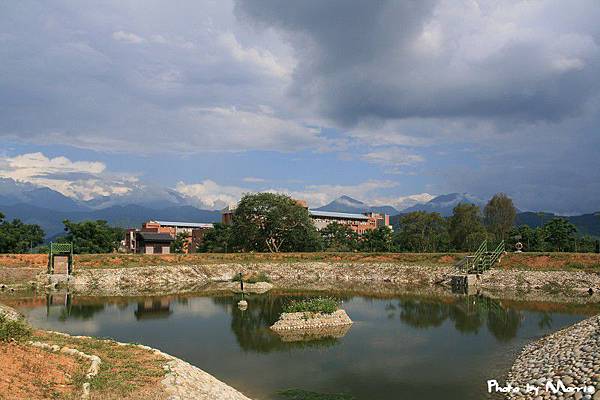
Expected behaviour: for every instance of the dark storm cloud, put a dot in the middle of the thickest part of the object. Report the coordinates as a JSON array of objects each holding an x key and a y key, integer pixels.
[
  {"x": 516, "y": 81},
  {"x": 401, "y": 59}
]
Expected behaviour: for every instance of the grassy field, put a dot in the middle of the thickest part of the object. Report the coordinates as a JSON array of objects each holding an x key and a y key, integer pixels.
[{"x": 30, "y": 264}]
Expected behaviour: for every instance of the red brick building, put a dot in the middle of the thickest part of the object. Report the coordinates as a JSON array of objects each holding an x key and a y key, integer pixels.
[{"x": 193, "y": 230}]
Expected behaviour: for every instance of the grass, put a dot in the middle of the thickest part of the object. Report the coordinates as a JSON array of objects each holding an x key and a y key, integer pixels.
[
  {"x": 299, "y": 394},
  {"x": 125, "y": 372},
  {"x": 10, "y": 329},
  {"x": 325, "y": 305}
]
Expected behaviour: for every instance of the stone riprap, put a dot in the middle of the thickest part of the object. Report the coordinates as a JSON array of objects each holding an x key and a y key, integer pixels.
[
  {"x": 307, "y": 321},
  {"x": 9, "y": 312},
  {"x": 571, "y": 355},
  {"x": 308, "y": 335},
  {"x": 367, "y": 277},
  {"x": 234, "y": 287}
]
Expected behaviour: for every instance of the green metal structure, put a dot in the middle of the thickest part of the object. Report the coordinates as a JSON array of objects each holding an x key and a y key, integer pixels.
[
  {"x": 61, "y": 250},
  {"x": 482, "y": 260}
]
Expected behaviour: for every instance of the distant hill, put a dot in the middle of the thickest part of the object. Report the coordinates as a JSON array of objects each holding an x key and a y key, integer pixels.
[
  {"x": 347, "y": 204},
  {"x": 13, "y": 192},
  {"x": 444, "y": 204},
  {"x": 587, "y": 224},
  {"x": 123, "y": 216}
]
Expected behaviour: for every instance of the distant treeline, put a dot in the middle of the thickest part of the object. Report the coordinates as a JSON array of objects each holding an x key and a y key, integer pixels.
[{"x": 267, "y": 222}]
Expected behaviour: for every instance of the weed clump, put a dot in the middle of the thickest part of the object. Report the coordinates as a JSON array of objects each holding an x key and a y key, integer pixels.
[
  {"x": 325, "y": 305},
  {"x": 10, "y": 329}
]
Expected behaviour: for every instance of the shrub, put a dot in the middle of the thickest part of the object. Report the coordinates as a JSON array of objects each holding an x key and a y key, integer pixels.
[
  {"x": 13, "y": 329},
  {"x": 325, "y": 305}
]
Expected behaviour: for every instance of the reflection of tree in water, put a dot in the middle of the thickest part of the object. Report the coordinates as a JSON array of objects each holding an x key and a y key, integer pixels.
[
  {"x": 420, "y": 314},
  {"x": 545, "y": 321},
  {"x": 468, "y": 315},
  {"x": 251, "y": 326}
]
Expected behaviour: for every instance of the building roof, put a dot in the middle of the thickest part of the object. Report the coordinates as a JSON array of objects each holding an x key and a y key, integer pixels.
[
  {"x": 331, "y": 214},
  {"x": 185, "y": 224},
  {"x": 156, "y": 237}
]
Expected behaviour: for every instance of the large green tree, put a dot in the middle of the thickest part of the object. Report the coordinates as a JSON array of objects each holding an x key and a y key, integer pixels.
[
  {"x": 465, "y": 227},
  {"x": 561, "y": 235},
  {"x": 377, "y": 240},
  {"x": 17, "y": 237},
  {"x": 499, "y": 216},
  {"x": 339, "y": 237},
  {"x": 421, "y": 231},
  {"x": 92, "y": 236},
  {"x": 269, "y": 222},
  {"x": 217, "y": 240}
]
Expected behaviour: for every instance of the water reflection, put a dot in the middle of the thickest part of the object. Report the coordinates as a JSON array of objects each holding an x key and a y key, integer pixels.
[
  {"x": 396, "y": 345},
  {"x": 251, "y": 326},
  {"x": 468, "y": 315},
  {"x": 153, "y": 308}
]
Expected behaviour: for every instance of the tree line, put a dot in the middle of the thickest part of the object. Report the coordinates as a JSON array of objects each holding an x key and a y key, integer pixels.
[
  {"x": 86, "y": 236},
  {"x": 268, "y": 222}
]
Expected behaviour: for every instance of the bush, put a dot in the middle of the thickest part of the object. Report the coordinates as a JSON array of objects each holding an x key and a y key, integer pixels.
[
  {"x": 13, "y": 329},
  {"x": 325, "y": 305}
]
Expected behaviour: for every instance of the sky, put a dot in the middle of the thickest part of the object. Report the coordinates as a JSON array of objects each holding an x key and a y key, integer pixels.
[{"x": 390, "y": 102}]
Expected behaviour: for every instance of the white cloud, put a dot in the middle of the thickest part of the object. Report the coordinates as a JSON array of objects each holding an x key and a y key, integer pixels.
[
  {"x": 262, "y": 59},
  {"x": 127, "y": 37},
  {"x": 403, "y": 202},
  {"x": 210, "y": 194},
  {"x": 82, "y": 180},
  {"x": 392, "y": 158}
]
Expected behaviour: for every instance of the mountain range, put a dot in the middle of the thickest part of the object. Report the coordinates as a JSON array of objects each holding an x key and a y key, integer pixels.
[{"x": 48, "y": 208}]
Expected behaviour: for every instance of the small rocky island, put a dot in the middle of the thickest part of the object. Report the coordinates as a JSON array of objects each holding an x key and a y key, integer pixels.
[{"x": 312, "y": 319}]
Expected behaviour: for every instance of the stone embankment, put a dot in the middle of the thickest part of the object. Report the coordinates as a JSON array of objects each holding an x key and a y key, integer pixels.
[
  {"x": 311, "y": 320},
  {"x": 571, "y": 355},
  {"x": 388, "y": 277},
  {"x": 306, "y": 326}
]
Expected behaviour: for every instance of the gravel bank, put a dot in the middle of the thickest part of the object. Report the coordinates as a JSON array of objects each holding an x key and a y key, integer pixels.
[
  {"x": 571, "y": 355},
  {"x": 325, "y": 276}
]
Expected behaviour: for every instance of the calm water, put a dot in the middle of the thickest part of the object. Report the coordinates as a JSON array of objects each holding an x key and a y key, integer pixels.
[{"x": 398, "y": 348}]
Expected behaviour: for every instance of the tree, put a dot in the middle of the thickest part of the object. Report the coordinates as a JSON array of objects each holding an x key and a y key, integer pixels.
[
  {"x": 499, "y": 216},
  {"x": 17, "y": 237},
  {"x": 421, "y": 231},
  {"x": 533, "y": 239},
  {"x": 339, "y": 237},
  {"x": 217, "y": 240},
  {"x": 180, "y": 243},
  {"x": 92, "y": 236},
  {"x": 465, "y": 227},
  {"x": 377, "y": 240},
  {"x": 273, "y": 222},
  {"x": 560, "y": 234}
]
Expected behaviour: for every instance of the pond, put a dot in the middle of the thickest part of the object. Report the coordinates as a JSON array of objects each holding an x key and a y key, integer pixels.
[{"x": 405, "y": 347}]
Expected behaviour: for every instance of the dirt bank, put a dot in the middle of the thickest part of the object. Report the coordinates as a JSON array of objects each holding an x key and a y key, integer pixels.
[{"x": 46, "y": 364}]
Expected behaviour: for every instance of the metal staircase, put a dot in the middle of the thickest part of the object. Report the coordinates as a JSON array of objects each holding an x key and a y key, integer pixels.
[{"x": 482, "y": 260}]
